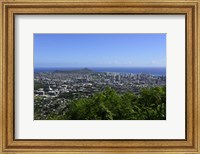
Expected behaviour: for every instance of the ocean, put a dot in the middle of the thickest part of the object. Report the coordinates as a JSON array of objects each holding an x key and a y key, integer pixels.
[{"x": 135, "y": 70}]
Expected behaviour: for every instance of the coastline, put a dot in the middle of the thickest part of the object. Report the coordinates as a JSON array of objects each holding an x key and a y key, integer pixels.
[{"x": 128, "y": 70}]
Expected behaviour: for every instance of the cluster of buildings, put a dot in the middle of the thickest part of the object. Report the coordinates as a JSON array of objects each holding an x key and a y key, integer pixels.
[
  {"x": 53, "y": 84},
  {"x": 54, "y": 91}
]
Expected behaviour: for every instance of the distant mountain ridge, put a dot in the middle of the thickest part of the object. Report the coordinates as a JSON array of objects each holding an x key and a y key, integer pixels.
[
  {"x": 134, "y": 70},
  {"x": 84, "y": 70}
]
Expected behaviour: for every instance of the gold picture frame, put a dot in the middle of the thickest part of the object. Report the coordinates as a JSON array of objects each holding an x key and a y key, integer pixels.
[{"x": 9, "y": 8}]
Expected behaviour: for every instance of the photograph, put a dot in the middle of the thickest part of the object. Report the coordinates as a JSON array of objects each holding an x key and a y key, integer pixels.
[
  {"x": 99, "y": 76},
  {"x": 99, "y": 83}
]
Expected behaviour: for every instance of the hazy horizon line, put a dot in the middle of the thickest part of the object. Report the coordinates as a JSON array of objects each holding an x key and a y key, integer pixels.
[{"x": 103, "y": 67}]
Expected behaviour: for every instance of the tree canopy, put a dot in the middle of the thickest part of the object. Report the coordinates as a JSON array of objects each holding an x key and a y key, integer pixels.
[{"x": 149, "y": 104}]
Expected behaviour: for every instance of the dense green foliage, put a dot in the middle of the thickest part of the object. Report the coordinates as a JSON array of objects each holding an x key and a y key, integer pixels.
[
  {"x": 37, "y": 85},
  {"x": 150, "y": 104}
]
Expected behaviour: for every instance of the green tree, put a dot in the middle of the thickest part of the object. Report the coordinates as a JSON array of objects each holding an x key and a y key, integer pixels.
[{"x": 150, "y": 104}]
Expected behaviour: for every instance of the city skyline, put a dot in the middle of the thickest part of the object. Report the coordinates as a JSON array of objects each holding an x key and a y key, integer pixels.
[{"x": 99, "y": 50}]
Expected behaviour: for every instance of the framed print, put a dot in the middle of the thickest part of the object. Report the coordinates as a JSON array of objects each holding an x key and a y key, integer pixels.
[{"x": 99, "y": 76}]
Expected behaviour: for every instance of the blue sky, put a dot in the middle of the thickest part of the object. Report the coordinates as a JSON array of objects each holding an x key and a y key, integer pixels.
[{"x": 99, "y": 50}]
